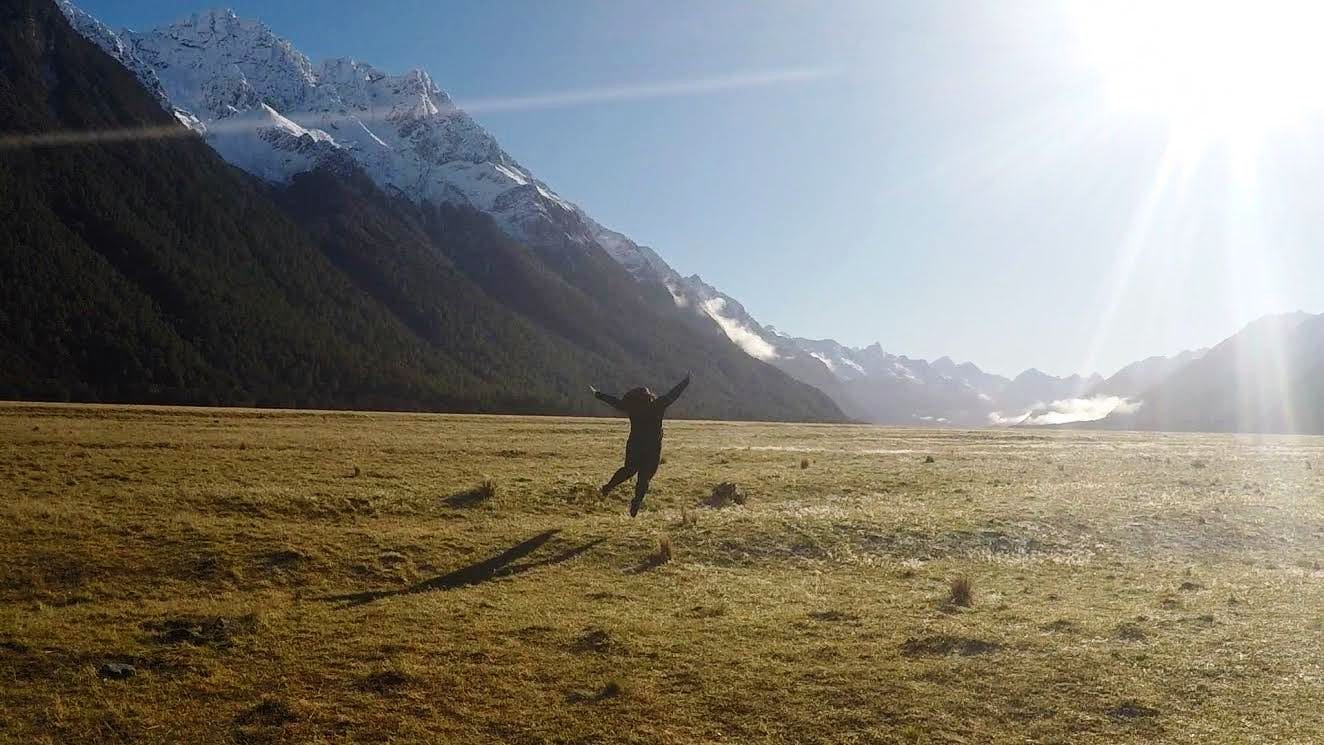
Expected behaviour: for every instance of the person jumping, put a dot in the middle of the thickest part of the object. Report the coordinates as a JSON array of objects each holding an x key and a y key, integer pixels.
[{"x": 643, "y": 450}]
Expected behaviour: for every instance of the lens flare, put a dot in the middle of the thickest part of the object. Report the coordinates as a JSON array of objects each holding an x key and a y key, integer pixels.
[{"x": 579, "y": 97}]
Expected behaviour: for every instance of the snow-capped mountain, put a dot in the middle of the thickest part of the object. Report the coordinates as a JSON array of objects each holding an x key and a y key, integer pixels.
[
  {"x": 269, "y": 110},
  {"x": 874, "y": 385}
]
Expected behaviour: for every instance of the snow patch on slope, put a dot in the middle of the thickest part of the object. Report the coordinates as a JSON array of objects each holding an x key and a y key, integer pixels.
[{"x": 753, "y": 344}]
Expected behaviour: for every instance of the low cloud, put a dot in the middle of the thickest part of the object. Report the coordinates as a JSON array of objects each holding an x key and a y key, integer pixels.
[
  {"x": 753, "y": 344},
  {"x": 1069, "y": 410}
]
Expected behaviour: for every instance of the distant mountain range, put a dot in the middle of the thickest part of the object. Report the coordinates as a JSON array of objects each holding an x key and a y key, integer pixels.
[{"x": 458, "y": 279}]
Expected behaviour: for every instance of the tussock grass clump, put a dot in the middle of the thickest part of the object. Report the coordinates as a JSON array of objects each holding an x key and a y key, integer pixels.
[
  {"x": 199, "y": 631},
  {"x": 272, "y": 712},
  {"x": 944, "y": 644},
  {"x": 961, "y": 593},
  {"x": 612, "y": 689},
  {"x": 661, "y": 555},
  {"x": 664, "y": 550},
  {"x": 724, "y": 494},
  {"x": 474, "y": 495},
  {"x": 1130, "y": 631},
  {"x": 594, "y": 640},
  {"x": 1132, "y": 710},
  {"x": 388, "y": 679},
  {"x": 804, "y": 463},
  {"x": 1198, "y": 463},
  {"x": 929, "y": 459}
]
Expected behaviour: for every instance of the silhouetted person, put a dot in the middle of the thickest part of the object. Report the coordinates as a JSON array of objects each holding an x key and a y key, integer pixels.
[{"x": 643, "y": 450}]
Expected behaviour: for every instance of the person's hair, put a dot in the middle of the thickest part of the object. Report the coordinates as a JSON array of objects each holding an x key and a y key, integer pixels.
[{"x": 635, "y": 395}]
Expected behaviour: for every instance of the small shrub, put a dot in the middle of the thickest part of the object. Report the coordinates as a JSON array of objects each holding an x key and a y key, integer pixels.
[
  {"x": 804, "y": 463},
  {"x": 929, "y": 459},
  {"x": 688, "y": 518},
  {"x": 962, "y": 592},
  {"x": 356, "y": 473},
  {"x": 1197, "y": 463}
]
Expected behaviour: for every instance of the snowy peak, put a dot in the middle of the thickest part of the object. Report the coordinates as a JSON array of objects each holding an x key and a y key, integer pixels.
[
  {"x": 111, "y": 43},
  {"x": 269, "y": 110},
  {"x": 192, "y": 55}
]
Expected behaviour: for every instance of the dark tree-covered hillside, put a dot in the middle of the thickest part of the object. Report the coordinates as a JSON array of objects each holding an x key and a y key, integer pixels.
[{"x": 149, "y": 270}]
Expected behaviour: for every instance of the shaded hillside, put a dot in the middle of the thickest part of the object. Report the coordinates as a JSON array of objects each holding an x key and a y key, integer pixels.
[
  {"x": 150, "y": 270},
  {"x": 1138, "y": 377},
  {"x": 1267, "y": 378}
]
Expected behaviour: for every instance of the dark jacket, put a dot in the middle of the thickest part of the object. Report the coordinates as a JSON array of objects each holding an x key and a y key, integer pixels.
[{"x": 645, "y": 420}]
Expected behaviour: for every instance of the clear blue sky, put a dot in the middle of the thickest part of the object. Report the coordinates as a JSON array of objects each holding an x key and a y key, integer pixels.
[{"x": 956, "y": 180}]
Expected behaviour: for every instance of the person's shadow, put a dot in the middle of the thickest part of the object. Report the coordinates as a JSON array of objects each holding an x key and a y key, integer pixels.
[{"x": 501, "y": 565}]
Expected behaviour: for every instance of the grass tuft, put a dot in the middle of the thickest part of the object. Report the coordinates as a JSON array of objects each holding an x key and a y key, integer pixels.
[
  {"x": 724, "y": 494},
  {"x": 272, "y": 712},
  {"x": 961, "y": 593},
  {"x": 473, "y": 496},
  {"x": 664, "y": 550},
  {"x": 804, "y": 463}
]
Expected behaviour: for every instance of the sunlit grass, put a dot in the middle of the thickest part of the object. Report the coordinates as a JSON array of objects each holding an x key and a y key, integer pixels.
[{"x": 310, "y": 576}]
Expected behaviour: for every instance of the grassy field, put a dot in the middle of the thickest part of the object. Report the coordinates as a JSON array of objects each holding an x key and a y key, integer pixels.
[{"x": 322, "y": 577}]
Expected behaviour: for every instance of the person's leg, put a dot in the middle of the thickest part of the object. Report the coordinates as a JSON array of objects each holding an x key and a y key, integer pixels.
[
  {"x": 641, "y": 486},
  {"x": 620, "y": 477}
]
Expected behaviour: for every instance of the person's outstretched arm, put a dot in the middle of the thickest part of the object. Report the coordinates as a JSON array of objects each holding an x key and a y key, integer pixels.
[
  {"x": 611, "y": 401},
  {"x": 670, "y": 397}
]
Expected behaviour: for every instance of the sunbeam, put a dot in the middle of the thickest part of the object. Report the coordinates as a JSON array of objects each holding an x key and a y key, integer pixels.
[{"x": 577, "y": 97}]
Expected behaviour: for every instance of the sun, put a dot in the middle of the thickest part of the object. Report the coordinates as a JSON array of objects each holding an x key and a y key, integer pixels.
[{"x": 1215, "y": 70}]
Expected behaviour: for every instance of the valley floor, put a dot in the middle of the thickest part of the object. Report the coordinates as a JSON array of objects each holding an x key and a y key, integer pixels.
[{"x": 319, "y": 576}]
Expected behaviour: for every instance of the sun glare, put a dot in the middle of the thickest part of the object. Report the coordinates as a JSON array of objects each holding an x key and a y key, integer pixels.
[{"x": 1220, "y": 70}]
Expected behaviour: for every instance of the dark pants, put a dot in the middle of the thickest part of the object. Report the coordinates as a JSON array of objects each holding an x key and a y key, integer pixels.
[{"x": 641, "y": 462}]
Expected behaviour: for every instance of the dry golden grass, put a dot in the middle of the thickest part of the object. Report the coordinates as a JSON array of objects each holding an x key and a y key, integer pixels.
[{"x": 327, "y": 577}]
